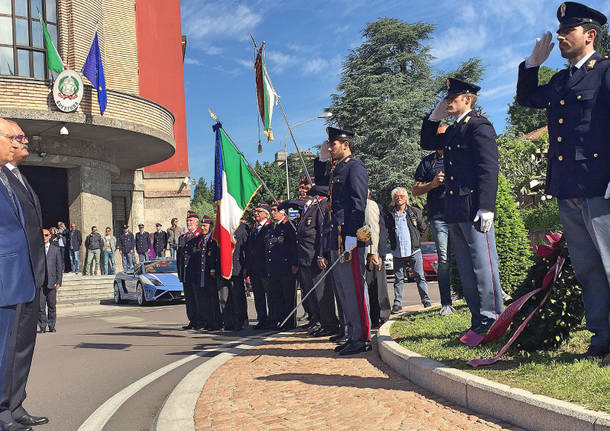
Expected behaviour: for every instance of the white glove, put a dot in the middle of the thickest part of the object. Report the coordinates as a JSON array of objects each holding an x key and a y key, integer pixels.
[
  {"x": 607, "y": 194},
  {"x": 487, "y": 220},
  {"x": 350, "y": 243},
  {"x": 324, "y": 153},
  {"x": 541, "y": 51},
  {"x": 439, "y": 112}
]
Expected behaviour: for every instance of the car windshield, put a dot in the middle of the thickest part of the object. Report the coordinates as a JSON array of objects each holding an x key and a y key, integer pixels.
[
  {"x": 428, "y": 248},
  {"x": 161, "y": 267}
]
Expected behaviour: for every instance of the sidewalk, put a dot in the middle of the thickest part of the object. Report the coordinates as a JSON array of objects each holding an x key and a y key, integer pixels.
[{"x": 298, "y": 382}]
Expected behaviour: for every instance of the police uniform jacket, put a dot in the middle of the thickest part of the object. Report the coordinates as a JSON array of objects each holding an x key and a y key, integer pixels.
[
  {"x": 280, "y": 249},
  {"x": 255, "y": 249},
  {"x": 309, "y": 228},
  {"x": 415, "y": 223},
  {"x": 348, "y": 184},
  {"x": 210, "y": 261},
  {"x": 578, "y": 115},
  {"x": 126, "y": 242},
  {"x": 471, "y": 165},
  {"x": 142, "y": 242},
  {"x": 160, "y": 240},
  {"x": 189, "y": 257},
  {"x": 239, "y": 252}
]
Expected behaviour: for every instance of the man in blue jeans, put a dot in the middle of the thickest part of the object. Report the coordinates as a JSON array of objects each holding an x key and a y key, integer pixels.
[
  {"x": 405, "y": 226},
  {"x": 430, "y": 178}
]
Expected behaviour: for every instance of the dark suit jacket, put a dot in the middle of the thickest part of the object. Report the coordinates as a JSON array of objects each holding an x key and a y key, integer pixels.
[
  {"x": 415, "y": 223},
  {"x": 578, "y": 116},
  {"x": 255, "y": 250},
  {"x": 55, "y": 266},
  {"x": 16, "y": 277},
  {"x": 78, "y": 239},
  {"x": 239, "y": 253},
  {"x": 32, "y": 215}
]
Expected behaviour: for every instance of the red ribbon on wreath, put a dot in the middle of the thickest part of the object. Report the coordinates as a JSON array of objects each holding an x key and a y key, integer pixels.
[{"x": 547, "y": 251}]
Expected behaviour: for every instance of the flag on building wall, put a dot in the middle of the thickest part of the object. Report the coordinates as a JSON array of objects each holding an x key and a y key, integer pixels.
[
  {"x": 265, "y": 93},
  {"x": 94, "y": 71},
  {"x": 234, "y": 187},
  {"x": 54, "y": 61}
]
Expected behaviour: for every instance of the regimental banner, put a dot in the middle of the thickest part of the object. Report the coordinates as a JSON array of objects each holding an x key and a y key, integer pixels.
[{"x": 68, "y": 91}]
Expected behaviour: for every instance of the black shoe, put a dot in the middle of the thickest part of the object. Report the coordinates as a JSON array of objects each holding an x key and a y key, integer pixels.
[
  {"x": 30, "y": 421},
  {"x": 341, "y": 346},
  {"x": 339, "y": 336},
  {"x": 308, "y": 325},
  {"x": 427, "y": 305},
  {"x": 396, "y": 309},
  {"x": 42, "y": 330},
  {"x": 356, "y": 347},
  {"x": 594, "y": 352},
  {"x": 14, "y": 426},
  {"x": 324, "y": 332},
  {"x": 315, "y": 328},
  {"x": 52, "y": 330},
  {"x": 342, "y": 340},
  {"x": 260, "y": 325},
  {"x": 270, "y": 325},
  {"x": 189, "y": 326}
]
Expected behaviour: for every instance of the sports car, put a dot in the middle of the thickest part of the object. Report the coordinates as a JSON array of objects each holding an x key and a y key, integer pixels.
[{"x": 154, "y": 280}]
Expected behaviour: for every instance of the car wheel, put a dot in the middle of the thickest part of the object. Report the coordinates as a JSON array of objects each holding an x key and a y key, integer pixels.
[
  {"x": 140, "y": 295},
  {"x": 117, "y": 294}
]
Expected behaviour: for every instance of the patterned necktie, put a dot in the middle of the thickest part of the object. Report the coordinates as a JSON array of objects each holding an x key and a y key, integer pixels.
[
  {"x": 9, "y": 189},
  {"x": 17, "y": 173}
]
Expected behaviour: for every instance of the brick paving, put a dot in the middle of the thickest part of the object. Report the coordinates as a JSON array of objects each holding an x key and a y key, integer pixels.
[{"x": 298, "y": 382}]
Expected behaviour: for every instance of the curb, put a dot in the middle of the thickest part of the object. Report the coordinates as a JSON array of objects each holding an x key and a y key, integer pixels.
[
  {"x": 517, "y": 406},
  {"x": 178, "y": 411}
]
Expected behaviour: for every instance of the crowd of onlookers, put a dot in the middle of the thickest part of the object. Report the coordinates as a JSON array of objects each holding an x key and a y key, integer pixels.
[{"x": 101, "y": 248}]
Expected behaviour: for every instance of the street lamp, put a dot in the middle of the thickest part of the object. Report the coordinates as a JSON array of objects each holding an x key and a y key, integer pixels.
[{"x": 324, "y": 116}]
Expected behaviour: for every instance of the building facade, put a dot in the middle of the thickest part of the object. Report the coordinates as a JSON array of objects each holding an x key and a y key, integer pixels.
[{"x": 128, "y": 166}]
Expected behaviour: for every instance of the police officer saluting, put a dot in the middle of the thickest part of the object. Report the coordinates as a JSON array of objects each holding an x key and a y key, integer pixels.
[
  {"x": 471, "y": 178},
  {"x": 348, "y": 183},
  {"x": 577, "y": 100}
]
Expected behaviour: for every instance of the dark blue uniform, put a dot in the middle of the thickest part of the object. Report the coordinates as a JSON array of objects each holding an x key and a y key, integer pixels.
[
  {"x": 348, "y": 183},
  {"x": 235, "y": 313},
  {"x": 280, "y": 257},
  {"x": 578, "y": 114},
  {"x": 255, "y": 264},
  {"x": 142, "y": 245},
  {"x": 189, "y": 264},
  {"x": 209, "y": 284},
  {"x": 471, "y": 182}
]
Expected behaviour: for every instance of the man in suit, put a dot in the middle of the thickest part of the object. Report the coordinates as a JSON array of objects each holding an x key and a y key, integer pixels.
[
  {"x": 236, "y": 312},
  {"x": 48, "y": 295},
  {"x": 470, "y": 156},
  {"x": 577, "y": 102},
  {"x": 255, "y": 261},
  {"x": 23, "y": 272},
  {"x": 189, "y": 263},
  {"x": 75, "y": 240},
  {"x": 142, "y": 243},
  {"x": 159, "y": 241}
]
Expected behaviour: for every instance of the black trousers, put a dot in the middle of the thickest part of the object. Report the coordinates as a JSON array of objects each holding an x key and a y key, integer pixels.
[
  {"x": 311, "y": 306},
  {"x": 193, "y": 296},
  {"x": 323, "y": 297},
  {"x": 260, "y": 297},
  {"x": 209, "y": 305},
  {"x": 235, "y": 304},
  {"x": 282, "y": 297},
  {"x": 48, "y": 299},
  {"x": 378, "y": 295},
  {"x": 19, "y": 359}
]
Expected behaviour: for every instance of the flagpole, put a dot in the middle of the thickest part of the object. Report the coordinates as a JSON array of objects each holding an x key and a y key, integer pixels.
[{"x": 215, "y": 118}]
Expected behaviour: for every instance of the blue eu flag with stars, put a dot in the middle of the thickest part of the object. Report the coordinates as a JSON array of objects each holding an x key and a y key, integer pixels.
[{"x": 94, "y": 71}]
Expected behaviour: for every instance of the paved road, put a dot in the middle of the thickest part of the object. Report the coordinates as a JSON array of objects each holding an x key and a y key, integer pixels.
[{"x": 104, "y": 349}]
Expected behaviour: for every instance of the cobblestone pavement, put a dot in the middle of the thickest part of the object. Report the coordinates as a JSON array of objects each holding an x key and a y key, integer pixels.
[{"x": 298, "y": 382}]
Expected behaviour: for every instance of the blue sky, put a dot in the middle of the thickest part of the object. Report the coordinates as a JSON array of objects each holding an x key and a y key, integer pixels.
[{"x": 306, "y": 44}]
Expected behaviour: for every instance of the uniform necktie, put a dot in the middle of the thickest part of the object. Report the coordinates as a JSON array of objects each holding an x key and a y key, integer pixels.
[
  {"x": 17, "y": 173},
  {"x": 9, "y": 189}
]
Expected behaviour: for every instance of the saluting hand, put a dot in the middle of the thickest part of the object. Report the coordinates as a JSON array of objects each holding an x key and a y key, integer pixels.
[
  {"x": 542, "y": 49},
  {"x": 439, "y": 112}
]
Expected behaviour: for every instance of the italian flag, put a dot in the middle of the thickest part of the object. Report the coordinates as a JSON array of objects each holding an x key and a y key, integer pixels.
[
  {"x": 265, "y": 93},
  {"x": 54, "y": 61},
  {"x": 234, "y": 187}
]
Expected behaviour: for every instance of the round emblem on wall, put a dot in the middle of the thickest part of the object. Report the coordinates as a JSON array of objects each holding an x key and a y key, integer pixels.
[{"x": 68, "y": 91}]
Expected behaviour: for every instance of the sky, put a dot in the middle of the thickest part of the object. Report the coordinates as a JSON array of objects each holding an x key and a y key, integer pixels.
[{"x": 307, "y": 42}]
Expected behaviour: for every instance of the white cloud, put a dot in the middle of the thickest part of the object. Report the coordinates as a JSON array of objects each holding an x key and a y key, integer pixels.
[
  {"x": 459, "y": 42},
  {"x": 189, "y": 60},
  {"x": 315, "y": 65},
  {"x": 499, "y": 91},
  {"x": 245, "y": 63},
  {"x": 280, "y": 61},
  {"x": 205, "y": 23},
  {"x": 341, "y": 29}
]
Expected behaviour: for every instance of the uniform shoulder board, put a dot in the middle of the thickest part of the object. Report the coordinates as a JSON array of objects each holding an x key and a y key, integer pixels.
[{"x": 591, "y": 64}]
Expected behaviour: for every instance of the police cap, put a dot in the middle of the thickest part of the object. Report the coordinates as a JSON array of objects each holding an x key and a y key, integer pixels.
[
  {"x": 456, "y": 86},
  {"x": 140, "y": 225},
  {"x": 192, "y": 214},
  {"x": 334, "y": 134},
  {"x": 572, "y": 14},
  {"x": 207, "y": 220},
  {"x": 318, "y": 191}
]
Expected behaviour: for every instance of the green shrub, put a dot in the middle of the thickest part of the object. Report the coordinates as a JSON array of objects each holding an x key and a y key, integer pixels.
[{"x": 543, "y": 216}]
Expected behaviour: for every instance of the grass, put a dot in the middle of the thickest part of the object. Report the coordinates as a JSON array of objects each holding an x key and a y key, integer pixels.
[{"x": 556, "y": 374}]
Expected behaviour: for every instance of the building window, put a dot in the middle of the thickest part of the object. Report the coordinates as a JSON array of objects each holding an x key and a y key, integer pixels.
[{"x": 22, "y": 50}]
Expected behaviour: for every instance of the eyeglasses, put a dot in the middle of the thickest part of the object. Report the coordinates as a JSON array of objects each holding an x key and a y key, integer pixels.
[{"x": 22, "y": 139}]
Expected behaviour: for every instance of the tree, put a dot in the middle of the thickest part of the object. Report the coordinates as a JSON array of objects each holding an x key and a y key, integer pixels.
[
  {"x": 603, "y": 45},
  {"x": 523, "y": 120},
  {"x": 387, "y": 86},
  {"x": 203, "y": 199}
]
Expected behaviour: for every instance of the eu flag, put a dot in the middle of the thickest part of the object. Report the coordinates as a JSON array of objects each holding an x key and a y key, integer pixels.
[{"x": 94, "y": 71}]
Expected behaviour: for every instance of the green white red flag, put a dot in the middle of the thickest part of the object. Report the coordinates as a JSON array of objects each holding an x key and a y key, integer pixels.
[
  {"x": 54, "y": 61},
  {"x": 234, "y": 188},
  {"x": 265, "y": 93}
]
